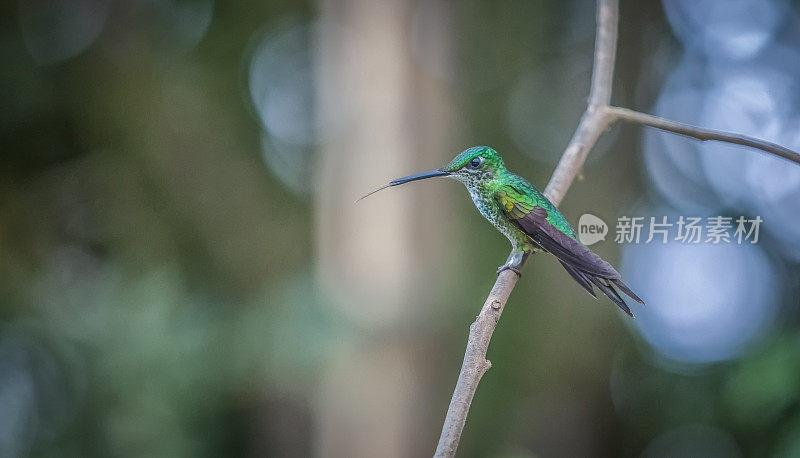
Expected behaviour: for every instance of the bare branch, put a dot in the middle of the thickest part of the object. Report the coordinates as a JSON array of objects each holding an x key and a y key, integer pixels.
[
  {"x": 702, "y": 134},
  {"x": 594, "y": 120},
  {"x": 475, "y": 363},
  {"x": 592, "y": 124},
  {"x": 605, "y": 52}
]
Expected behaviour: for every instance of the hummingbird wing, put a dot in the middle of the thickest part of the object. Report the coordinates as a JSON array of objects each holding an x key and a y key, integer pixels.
[{"x": 584, "y": 266}]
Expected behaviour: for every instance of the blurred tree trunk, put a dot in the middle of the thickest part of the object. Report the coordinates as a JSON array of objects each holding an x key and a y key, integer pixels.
[{"x": 393, "y": 118}]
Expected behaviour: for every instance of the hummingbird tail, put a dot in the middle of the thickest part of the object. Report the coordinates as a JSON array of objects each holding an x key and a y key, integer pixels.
[
  {"x": 580, "y": 277},
  {"x": 621, "y": 285},
  {"x": 605, "y": 286}
]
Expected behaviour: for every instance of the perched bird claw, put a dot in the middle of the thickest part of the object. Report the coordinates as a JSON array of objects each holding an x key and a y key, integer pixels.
[{"x": 507, "y": 267}]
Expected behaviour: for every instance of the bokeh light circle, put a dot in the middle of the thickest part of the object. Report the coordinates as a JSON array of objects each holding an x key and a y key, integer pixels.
[{"x": 705, "y": 302}]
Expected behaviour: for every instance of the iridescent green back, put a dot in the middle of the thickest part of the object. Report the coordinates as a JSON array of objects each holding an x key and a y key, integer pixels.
[{"x": 530, "y": 195}]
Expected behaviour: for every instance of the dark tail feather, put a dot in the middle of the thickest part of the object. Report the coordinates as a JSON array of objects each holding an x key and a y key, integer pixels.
[
  {"x": 579, "y": 277},
  {"x": 627, "y": 290},
  {"x": 612, "y": 294}
]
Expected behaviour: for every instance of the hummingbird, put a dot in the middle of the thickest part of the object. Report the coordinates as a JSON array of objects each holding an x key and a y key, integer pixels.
[{"x": 527, "y": 218}]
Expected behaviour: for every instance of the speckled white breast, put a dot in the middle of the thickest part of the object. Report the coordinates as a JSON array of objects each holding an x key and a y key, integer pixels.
[{"x": 491, "y": 212}]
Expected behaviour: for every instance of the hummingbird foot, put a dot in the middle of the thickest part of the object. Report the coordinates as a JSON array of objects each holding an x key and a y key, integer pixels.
[
  {"x": 507, "y": 267},
  {"x": 513, "y": 262}
]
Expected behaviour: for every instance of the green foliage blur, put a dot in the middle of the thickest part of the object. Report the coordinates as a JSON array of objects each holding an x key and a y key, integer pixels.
[{"x": 159, "y": 292}]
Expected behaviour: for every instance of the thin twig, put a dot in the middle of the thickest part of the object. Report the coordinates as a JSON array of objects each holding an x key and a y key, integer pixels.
[
  {"x": 605, "y": 53},
  {"x": 702, "y": 134},
  {"x": 592, "y": 124},
  {"x": 594, "y": 120}
]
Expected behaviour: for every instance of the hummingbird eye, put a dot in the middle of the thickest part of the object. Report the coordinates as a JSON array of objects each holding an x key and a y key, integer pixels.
[{"x": 475, "y": 162}]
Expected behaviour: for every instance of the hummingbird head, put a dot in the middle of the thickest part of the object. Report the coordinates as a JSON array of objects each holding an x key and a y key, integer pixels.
[
  {"x": 474, "y": 165},
  {"x": 471, "y": 167}
]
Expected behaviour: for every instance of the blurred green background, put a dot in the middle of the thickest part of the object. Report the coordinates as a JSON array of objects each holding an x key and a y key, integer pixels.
[{"x": 183, "y": 271}]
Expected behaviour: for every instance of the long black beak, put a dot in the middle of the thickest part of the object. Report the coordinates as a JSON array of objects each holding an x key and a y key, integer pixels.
[{"x": 419, "y": 176}]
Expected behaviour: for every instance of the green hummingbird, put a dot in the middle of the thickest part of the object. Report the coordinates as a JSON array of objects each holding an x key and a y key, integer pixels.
[{"x": 527, "y": 218}]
